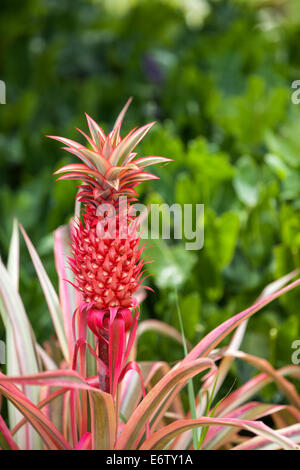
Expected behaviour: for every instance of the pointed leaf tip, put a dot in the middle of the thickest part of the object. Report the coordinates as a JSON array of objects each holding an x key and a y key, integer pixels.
[{"x": 120, "y": 118}]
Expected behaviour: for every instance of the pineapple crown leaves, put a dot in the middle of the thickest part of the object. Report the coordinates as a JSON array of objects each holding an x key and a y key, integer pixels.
[{"x": 110, "y": 165}]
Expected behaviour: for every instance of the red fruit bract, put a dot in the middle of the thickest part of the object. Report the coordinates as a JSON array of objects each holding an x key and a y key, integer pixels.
[
  {"x": 107, "y": 265},
  {"x": 106, "y": 248},
  {"x": 107, "y": 269}
]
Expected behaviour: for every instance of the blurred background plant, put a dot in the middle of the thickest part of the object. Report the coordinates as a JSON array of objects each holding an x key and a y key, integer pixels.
[{"x": 217, "y": 77}]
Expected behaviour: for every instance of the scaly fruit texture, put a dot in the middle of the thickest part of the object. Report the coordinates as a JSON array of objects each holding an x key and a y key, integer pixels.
[
  {"x": 107, "y": 266},
  {"x": 106, "y": 260}
]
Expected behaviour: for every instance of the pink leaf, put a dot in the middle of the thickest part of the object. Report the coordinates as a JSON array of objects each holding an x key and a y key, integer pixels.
[
  {"x": 218, "y": 334},
  {"x": 7, "y": 435},
  {"x": 116, "y": 351},
  {"x": 161, "y": 438},
  {"x": 85, "y": 442},
  {"x": 62, "y": 250},
  {"x": 128, "y": 144}
]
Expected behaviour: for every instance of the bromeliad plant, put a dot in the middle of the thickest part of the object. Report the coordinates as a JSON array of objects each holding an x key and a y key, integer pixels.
[
  {"x": 106, "y": 257},
  {"x": 86, "y": 390}
]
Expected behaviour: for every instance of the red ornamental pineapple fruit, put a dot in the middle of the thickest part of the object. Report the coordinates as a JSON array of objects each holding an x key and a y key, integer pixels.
[{"x": 107, "y": 261}]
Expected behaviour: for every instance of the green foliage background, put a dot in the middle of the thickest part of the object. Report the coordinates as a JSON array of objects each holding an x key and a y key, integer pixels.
[{"x": 217, "y": 76}]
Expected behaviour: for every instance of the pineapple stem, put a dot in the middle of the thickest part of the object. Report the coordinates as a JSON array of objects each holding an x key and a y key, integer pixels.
[{"x": 103, "y": 375}]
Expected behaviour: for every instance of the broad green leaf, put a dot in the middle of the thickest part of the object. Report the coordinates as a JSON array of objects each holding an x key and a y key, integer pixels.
[
  {"x": 172, "y": 264},
  {"x": 246, "y": 181},
  {"x": 221, "y": 235},
  {"x": 190, "y": 306}
]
